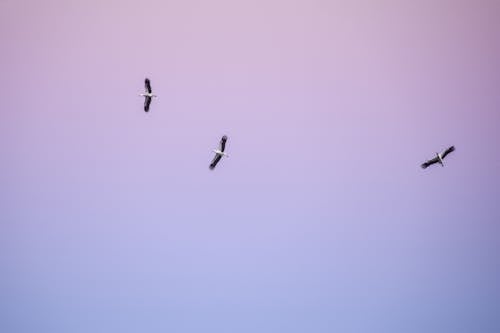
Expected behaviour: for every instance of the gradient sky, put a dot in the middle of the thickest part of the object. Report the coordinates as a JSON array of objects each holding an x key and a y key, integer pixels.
[{"x": 321, "y": 219}]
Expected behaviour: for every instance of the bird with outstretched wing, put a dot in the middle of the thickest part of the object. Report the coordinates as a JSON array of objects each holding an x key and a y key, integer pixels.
[
  {"x": 438, "y": 159},
  {"x": 148, "y": 94},
  {"x": 219, "y": 153}
]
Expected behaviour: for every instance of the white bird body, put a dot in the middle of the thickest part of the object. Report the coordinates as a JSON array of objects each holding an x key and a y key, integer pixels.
[
  {"x": 150, "y": 95},
  {"x": 440, "y": 159},
  {"x": 218, "y": 152}
]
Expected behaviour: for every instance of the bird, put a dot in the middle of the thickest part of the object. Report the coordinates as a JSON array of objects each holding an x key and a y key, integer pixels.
[
  {"x": 219, "y": 152},
  {"x": 439, "y": 158},
  {"x": 148, "y": 95}
]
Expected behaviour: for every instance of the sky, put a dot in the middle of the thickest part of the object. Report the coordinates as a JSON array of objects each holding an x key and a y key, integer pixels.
[{"x": 321, "y": 219}]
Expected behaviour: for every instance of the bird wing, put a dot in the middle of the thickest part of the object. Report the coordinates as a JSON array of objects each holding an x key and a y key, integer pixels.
[
  {"x": 147, "y": 101},
  {"x": 215, "y": 161},
  {"x": 147, "y": 85},
  {"x": 223, "y": 143},
  {"x": 429, "y": 162},
  {"x": 447, "y": 151}
]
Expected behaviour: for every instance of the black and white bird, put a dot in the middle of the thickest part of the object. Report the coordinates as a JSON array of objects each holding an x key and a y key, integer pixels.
[
  {"x": 439, "y": 158},
  {"x": 219, "y": 153},
  {"x": 148, "y": 95}
]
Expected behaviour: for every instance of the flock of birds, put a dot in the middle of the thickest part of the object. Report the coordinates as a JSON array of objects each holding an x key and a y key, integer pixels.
[{"x": 219, "y": 153}]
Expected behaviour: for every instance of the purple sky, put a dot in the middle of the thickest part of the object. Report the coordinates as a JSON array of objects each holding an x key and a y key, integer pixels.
[{"x": 321, "y": 219}]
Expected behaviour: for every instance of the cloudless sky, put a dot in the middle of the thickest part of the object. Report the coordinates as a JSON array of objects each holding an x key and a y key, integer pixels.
[{"x": 321, "y": 219}]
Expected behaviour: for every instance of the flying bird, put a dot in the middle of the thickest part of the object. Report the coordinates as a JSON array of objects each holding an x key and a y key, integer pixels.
[
  {"x": 439, "y": 158},
  {"x": 148, "y": 95},
  {"x": 219, "y": 153}
]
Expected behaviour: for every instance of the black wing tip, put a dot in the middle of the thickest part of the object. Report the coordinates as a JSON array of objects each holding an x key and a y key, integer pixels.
[
  {"x": 215, "y": 161},
  {"x": 147, "y": 83},
  {"x": 224, "y": 137},
  {"x": 448, "y": 151},
  {"x": 424, "y": 166},
  {"x": 147, "y": 103}
]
